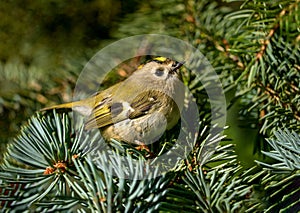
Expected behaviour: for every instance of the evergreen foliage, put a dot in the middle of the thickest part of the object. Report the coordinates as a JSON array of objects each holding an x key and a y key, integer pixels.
[
  {"x": 50, "y": 167},
  {"x": 54, "y": 165},
  {"x": 279, "y": 180},
  {"x": 267, "y": 45}
]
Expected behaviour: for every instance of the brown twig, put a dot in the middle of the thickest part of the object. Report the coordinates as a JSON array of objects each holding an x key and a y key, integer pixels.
[
  {"x": 266, "y": 41},
  {"x": 274, "y": 95}
]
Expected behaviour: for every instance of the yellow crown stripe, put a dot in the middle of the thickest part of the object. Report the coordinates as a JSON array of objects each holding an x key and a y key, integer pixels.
[{"x": 161, "y": 59}]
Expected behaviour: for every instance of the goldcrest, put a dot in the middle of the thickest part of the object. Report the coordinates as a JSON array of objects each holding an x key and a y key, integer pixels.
[{"x": 138, "y": 109}]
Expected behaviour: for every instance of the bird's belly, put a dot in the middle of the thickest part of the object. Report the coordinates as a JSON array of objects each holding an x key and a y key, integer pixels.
[{"x": 146, "y": 129}]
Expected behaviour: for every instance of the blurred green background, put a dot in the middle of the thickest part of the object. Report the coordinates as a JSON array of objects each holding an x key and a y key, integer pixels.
[{"x": 45, "y": 44}]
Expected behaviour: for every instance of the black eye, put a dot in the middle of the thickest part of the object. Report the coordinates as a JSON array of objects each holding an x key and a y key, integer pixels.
[{"x": 159, "y": 71}]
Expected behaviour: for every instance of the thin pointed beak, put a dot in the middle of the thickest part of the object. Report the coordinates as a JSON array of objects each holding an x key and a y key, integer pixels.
[{"x": 177, "y": 66}]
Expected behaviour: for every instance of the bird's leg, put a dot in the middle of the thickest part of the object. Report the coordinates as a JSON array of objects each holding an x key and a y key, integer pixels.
[{"x": 142, "y": 146}]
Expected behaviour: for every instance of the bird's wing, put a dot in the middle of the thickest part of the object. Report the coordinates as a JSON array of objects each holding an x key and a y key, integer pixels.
[
  {"x": 108, "y": 112},
  {"x": 101, "y": 114},
  {"x": 144, "y": 104}
]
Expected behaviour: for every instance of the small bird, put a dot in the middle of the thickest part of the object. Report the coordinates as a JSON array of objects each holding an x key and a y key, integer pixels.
[{"x": 139, "y": 109}]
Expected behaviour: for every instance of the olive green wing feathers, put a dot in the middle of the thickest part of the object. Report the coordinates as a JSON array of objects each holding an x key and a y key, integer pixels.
[
  {"x": 144, "y": 104},
  {"x": 109, "y": 111}
]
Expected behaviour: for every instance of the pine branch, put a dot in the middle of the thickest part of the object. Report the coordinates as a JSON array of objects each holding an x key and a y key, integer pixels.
[
  {"x": 213, "y": 187},
  {"x": 268, "y": 48},
  {"x": 286, "y": 150},
  {"x": 276, "y": 25},
  {"x": 38, "y": 167},
  {"x": 107, "y": 193},
  {"x": 280, "y": 181}
]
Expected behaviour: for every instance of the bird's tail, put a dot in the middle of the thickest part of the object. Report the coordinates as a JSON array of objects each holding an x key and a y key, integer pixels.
[
  {"x": 61, "y": 106},
  {"x": 78, "y": 106}
]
